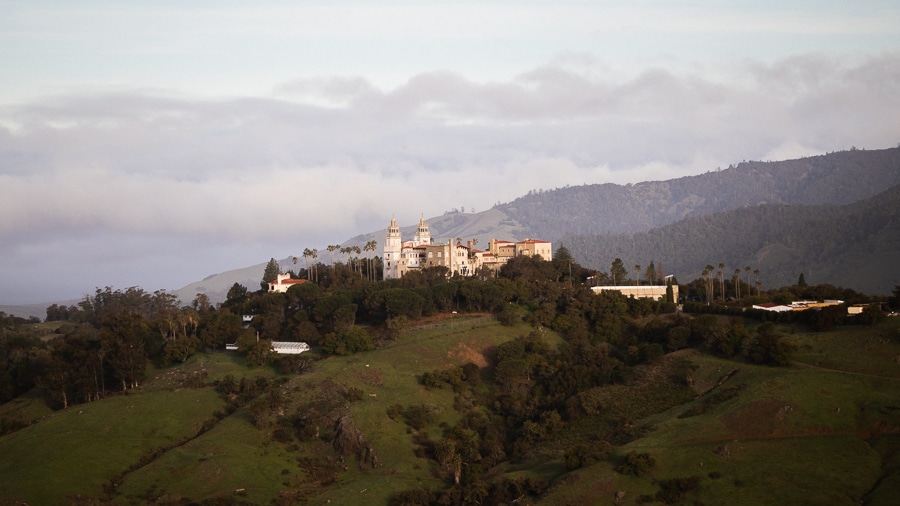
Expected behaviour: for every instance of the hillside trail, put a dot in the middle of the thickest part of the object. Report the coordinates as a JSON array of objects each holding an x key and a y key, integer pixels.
[{"x": 828, "y": 369}]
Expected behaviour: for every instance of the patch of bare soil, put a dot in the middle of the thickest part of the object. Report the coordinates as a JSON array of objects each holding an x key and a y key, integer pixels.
[
  {"x": 465, "y": 353},
  {"x": 765, "y": 417}
]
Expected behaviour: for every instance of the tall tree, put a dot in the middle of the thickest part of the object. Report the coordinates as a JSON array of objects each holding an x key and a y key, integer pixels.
[
  {"x": 236, "y": 293},
  {"x": 637, "y": 274},
  {"x": 707, "y": 274},
  {"x": 358, "y": 251},
  {"x": 270, "y": 274},
  {"x": 125, "y": 335},
  {"x": 370, "y": 246},
  {"x": 721, "y": 274},
  {"x": 618, "y": 271},
  {"x": 331, "y": 249},
  {"x": 307, "y": 253},
  {"x": 650, "y": 274}
]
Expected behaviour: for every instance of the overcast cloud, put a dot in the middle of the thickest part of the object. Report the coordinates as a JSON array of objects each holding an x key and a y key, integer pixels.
[{"x": 156, "y": 146}]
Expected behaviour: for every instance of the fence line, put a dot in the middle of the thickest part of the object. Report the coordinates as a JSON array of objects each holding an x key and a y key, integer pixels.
[{"x": 473, "y": 322}]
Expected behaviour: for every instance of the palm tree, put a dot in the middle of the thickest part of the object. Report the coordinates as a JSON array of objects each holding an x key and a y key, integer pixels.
[
  {"x": 637, "y": 274},
  {"x": 707, "y": 273},
  {"x": 756, "y": 272},
  {"x": 306, "y": 254},
  {"x": 370, "y": 246},
  {"x": 331, "y": 249},
  {"x": 358, "y": 251},
  {"x": 749, "y": 286},
  {"x": 314, "y": 253},
  {"x": 737, "y": 283},
  {"x": 721, "y": 274}
]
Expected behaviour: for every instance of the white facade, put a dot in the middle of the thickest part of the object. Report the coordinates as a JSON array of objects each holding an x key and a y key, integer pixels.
[
  {"x": 400, "y": 256},
  {"x": 283, "y": 282},
  {"x": 655, "y": 292}
]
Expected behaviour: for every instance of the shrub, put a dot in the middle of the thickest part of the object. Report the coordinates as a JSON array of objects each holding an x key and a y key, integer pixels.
[
  {"x": 673, "y": 491},
  {"x": 586, "y": 454},
  {"x": 412, "y": 497},
  {"x": 508, "y": 316},
  {"x": 348, "y": 342},
  {"x": 419, "y": 416},
  {"x": 638, "y": 464},
  {"x": 395, "y": 412},
  {"x": 354, "y": 394}
]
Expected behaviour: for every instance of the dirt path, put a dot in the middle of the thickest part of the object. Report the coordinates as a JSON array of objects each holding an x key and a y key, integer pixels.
[{"x": 867, "y": 375}]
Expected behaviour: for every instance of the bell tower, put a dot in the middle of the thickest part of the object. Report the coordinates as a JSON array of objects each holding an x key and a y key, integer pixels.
[
  {"x": 392, "y": 247},
  {"x": 423, "y": 236}
]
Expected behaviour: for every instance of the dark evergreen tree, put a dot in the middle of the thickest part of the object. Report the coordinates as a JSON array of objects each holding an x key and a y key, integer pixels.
[
  {"x": 235, "y": 294},
  {"x": 270, "y": 274}
]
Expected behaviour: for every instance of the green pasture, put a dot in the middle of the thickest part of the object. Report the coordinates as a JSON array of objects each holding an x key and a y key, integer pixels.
[
  {"x": 795, "y": 435},
  {"x": 235, "y": 456},
  {"x": 823, "y": 431},
  {"x": 858, "y": 349},
  {"x": 77, "y": 450}
]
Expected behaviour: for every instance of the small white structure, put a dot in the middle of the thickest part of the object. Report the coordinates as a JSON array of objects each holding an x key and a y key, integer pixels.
[
  {"x": 655, "y": 292},
  {"x": 770, "y": 306},
  {"x": 280, "y": 347},
  {"x": 283, "y": 282},
  {"x": 289, "y": 348}
]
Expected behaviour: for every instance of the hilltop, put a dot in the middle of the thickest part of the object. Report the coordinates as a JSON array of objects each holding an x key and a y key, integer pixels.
[{"x": 682, "y": 223}]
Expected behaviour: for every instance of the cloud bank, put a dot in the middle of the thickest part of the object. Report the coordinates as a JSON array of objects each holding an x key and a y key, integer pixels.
[{"x": 148, "y": 187}]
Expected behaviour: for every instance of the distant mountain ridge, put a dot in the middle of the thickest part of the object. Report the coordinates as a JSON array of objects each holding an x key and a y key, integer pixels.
[
  {"x": 598, "y": 220},
  {"x": 854, "y": 245},
  {"x": 836, "y": 178}
]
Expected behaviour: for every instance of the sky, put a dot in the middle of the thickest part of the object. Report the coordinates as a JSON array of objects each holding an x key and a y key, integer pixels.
[{"x": 155, "y": 143}]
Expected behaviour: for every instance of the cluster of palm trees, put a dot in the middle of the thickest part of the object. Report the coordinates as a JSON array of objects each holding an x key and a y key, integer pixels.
[
  {"x": 312, "y": 271},
  {"x": 720, "y": 277}
]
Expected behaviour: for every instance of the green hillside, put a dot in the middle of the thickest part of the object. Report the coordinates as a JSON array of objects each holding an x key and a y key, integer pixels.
[
  {"x": 853, "y": 245},
  {"x": 823, "y": 431}
]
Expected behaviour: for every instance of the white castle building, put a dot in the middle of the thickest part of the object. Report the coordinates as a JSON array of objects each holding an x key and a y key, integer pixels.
[{"x": 402, "y": 256}]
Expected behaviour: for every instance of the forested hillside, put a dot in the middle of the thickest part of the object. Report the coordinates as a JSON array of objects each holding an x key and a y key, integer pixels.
[
  {"x": 835, "y": 178},
  {"x": 854, "y": 245}
]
